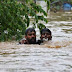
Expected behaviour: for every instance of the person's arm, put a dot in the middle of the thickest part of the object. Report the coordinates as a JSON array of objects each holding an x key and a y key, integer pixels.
[{"x": 23, "y": 41}]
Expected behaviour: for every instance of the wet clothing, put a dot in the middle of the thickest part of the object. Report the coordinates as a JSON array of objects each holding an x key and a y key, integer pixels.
[{"x": 37, "y": 42}]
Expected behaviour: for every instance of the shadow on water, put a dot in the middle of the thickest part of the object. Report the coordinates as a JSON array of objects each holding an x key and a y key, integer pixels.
[{"x": 52, "y": 56}]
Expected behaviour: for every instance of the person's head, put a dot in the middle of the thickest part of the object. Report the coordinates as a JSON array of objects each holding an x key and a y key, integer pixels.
[
  {"x": 30, "y": 35},
  {"x": 46, "y": 34}
]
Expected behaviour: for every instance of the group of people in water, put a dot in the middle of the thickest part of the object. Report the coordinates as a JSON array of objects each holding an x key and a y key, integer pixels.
[{"x": 30, "y": 36}]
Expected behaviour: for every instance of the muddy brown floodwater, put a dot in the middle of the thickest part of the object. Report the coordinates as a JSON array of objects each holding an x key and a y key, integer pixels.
[{"x": 52, "y": 56}]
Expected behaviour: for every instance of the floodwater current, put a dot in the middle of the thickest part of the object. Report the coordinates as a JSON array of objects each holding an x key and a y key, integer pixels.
[{"x": 52, "y": 56}]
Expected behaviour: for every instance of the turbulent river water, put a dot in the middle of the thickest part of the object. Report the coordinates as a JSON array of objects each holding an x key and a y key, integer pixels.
[{"x": 52, "y": 56}]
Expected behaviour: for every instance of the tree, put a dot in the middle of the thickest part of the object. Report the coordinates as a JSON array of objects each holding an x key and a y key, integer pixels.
[{"x": 14, "y": 18}]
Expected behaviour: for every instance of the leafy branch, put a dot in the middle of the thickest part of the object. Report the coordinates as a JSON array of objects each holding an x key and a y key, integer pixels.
[{"x": 14, "y": 18}]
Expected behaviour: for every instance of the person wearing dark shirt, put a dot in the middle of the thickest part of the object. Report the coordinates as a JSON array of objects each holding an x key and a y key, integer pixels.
[{"x": 30, "y": 37}]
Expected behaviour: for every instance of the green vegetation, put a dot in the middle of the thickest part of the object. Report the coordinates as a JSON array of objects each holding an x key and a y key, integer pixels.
[{"x": 14, "y": 18}]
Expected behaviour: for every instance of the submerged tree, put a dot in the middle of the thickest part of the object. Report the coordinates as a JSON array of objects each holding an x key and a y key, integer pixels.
[{"x": 14, "y": 17}]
